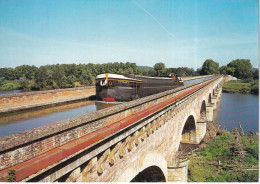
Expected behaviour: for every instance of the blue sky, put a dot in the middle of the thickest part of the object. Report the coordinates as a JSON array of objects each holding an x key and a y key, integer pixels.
[{"x": 176, "y": 32}]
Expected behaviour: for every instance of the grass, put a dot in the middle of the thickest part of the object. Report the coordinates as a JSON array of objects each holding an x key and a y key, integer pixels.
[
  {"x": 241, "y": 86},
  {"x": 230, "y": 157}
]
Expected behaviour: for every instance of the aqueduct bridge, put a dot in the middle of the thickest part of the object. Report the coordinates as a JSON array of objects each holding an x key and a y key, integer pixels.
[{"x": 120, "y": 143}]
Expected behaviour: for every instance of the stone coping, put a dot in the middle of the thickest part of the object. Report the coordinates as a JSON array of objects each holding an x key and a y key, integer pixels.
[
  {"x": 31, "y": 106},
  {"x": 43, "y": 92},
  {"x": 28, "y": 136}
]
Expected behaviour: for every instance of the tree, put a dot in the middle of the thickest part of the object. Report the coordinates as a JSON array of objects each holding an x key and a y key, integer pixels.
[
  {"x": 210, "y": 67},
  {"x": 25, "y": 71},
  {"x": 2, "y": 81},
  {"x": 59, "y": 75},
  {"x": 159, "y": 68},
  {"x": 256, "y": 74},
  {"x": 223, "y": 70},
  {"x": 23, "y": 81},
  {"x": 86, "y": 78},
  {"x": 7, "y": 73},
  {"x": 129, "y": 71},
  {"x": 70, "y": 81},
  {"x": 231, "y": 71},
  {"x": 242, "y": 67},
  {"x": 41, "y": 77}
]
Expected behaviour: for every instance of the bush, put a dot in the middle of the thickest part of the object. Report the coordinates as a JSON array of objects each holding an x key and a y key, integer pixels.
[
  {"x": 10, "y": 85},
  {"x": 23, "y": 82},
  {"x": 229, "y": 148},
  {"x": 251, "y": 145},
  {"x": 2, "y": 81},
  {"x": 218, "y": 147},
  {"x": 70, "y": 80}
]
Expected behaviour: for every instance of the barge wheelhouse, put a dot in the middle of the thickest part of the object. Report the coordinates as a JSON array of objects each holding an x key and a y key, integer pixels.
[{"x": 126, "y": 87}]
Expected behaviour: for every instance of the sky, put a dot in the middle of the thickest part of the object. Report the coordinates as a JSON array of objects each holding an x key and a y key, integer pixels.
[{"x": 179, "y": 33}]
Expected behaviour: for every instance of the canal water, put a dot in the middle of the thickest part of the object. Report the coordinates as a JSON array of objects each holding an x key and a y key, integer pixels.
[
  {"x": 197, "y": 80},
  {"x": 9, "y": 92},
  {"x": 235, "y": 108},
  {"x": 18, "y": 122}
]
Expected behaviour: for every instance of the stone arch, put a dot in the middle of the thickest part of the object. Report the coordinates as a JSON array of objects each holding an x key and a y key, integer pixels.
[
  {"x": 188, "y": 134},
  {"x": 150, "y": 174},
  {"x": 151, "y": 160},
  {"x": 203, "y": 109}
]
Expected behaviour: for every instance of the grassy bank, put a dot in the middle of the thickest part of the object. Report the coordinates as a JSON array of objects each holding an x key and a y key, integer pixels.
[
  {"x": 241, "y": 86},
  {"x": 230, "y": 157}
]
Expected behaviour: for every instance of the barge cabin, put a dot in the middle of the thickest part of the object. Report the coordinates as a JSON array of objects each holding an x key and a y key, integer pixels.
[{"x": 127, "y": 87}]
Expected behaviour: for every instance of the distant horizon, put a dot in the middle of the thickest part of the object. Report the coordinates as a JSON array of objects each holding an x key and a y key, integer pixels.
[
  {"x": 118, "y": 62},
  {"x": 178, "y": 33}
]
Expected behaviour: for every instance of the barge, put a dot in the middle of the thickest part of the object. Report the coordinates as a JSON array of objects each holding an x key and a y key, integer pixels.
[{"x": 126, "y": 87}]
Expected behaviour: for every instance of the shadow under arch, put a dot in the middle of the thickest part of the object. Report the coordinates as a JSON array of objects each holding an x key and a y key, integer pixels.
[
  {"x": 150, "y": 174},
  {"x": 189, "y": 131},
  {"x": 209, "y": 99},
  {"x": 203, "y": 110}
]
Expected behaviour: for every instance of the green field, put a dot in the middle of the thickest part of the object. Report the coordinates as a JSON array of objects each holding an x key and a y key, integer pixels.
[{"x": 241, "y": 86}]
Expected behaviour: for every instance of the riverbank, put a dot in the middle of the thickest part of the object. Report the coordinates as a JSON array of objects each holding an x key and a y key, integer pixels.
[
  {"x": 241, "y": 86},
  {"x": 228, "y": 157}
]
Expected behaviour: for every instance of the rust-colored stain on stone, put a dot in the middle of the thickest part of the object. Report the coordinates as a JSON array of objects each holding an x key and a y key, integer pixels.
[{"x": 61, "y": 152}]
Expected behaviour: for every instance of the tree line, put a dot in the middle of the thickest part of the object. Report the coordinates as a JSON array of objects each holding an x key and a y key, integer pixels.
[
  {"x": 239, "y": 68},
  {"x": 60, "y": 75},
  {"x": 28, "y": 77}
]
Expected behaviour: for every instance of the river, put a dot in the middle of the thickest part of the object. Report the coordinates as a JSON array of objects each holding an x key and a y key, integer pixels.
[
  {"x": 21, "y": 121},
  {"x": 235, "y": 108}
]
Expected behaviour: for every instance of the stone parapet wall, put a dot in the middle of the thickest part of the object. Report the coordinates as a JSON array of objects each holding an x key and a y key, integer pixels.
[
  {"x": 21, "y": 101},
  {"x": 26, "y": 145},
  {"x": 48, "y": 137}
]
